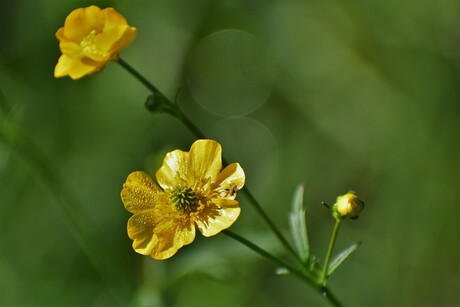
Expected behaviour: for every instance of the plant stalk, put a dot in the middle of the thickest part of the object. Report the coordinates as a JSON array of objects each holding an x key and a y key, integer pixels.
[
  {"x": 305, "y": 276},
  {"x": 335, "y": 232}
]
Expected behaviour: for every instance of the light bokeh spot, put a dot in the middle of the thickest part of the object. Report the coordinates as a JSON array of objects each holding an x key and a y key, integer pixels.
[{"x": 230, "y": 73}]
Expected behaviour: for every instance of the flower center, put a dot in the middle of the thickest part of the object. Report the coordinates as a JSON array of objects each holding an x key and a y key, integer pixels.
[
  {"x": 88, "y": 45},
  {"x": 184, "y": 199}
]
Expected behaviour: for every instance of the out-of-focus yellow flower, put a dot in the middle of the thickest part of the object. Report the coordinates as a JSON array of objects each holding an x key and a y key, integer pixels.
[
  {"x": 348, "y": 205},
  {"x": 193, "y": 193},
  {"x": 90, "y": 38}
]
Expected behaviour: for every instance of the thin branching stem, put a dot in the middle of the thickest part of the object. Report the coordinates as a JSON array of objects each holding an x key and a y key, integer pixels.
[
  {"x": 272, "y": 226},
  {"x": 304, "y": 275}
]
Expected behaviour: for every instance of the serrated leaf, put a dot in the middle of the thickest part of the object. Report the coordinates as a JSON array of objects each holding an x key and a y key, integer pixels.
[
  {"x": 297, "y": 220},
  {"x": 341, "y": 257}
]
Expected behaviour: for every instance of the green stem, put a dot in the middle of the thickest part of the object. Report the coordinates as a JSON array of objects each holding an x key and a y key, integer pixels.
[
  {"x": 138, "y": 76},
  {"x": 335, "y": 232},
  {"x": 190, "y": 125},
  {"x": 305, "y": 276},
  {"x": 177, "y": 112},
  {"x": 331, "y": 297},
  {"x": 272, "y": 226}
]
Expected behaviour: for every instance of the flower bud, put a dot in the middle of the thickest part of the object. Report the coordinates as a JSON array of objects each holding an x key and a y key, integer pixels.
[
  {"x": 157, "y": 103},
  {"x": 348, "y": 205}
]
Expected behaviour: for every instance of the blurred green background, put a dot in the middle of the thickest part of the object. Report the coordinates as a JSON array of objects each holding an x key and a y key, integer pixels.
[{"x": 338, "y": 94}]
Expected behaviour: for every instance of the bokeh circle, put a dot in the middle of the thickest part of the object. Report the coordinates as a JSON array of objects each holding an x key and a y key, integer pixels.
[
  {"x": 253, "y": 145},
  {"x": 230, "y": 73}
]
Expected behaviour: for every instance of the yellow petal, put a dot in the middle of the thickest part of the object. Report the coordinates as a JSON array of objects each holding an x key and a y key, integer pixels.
[
  {"x": 110, "y": 41},
  {"x": 140, "y": 229},
  {"x": 205, "y": 161},
  {"x": 159, "y": 235},
  {"x": 128, "y": 35},
  {"x": 217, "y": 216},
  {"x": 117, "y": 34},
  {"x": 73, "y": 67},
  {"x": 70, "y": 49},
  {"x": 141, "y": 193},
  {"x": 230, "y": 180},
  {"x": 170, "y": 240},
  {"x": 60, "y": 34},
  {"x": 174, "y": 170},
  {"x": 81, "y": 22},
  {"x": 112, "y": 18}
]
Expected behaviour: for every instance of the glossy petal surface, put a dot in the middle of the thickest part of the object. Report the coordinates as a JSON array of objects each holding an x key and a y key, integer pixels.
[
  {"x": 174, "y": 170},
  {"x": 159, "y": 235},
  {"x": 205, "y": 161},
  {"x": 229, "y": 181},
  {"x": 217, "y": 216},
  {"x": 140, "y": 193}
]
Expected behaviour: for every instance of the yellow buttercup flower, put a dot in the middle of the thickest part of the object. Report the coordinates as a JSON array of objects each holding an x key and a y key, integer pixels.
[
  {"x": 193, "y": 192},
  {"x": 90, "y": 38}
]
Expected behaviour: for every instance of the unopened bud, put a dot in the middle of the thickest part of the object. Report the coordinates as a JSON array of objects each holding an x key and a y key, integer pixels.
[
  {"x": 348, "y": 205},
  {"x": 157, "y": 103}
]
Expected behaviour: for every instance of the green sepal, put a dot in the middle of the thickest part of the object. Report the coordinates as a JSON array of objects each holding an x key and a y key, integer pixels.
[
  {"x": 341, "y": 257},
  {"x": 297, "y": 220}
]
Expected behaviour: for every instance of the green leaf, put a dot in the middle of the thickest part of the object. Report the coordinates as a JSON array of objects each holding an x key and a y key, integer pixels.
[
  {"x": 297, "y": 220},
  {"x": 341, "y": 257}
]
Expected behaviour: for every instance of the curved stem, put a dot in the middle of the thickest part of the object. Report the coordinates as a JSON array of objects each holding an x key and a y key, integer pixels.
[
  {"x": 177, "y": 112},
  {"x": 138, "y": 76},
  {"x": 272, "y": 226},
  {"x": 335, "y": 232},
  {"x": 190, "y": 125},
  {"x": 305, "y": 276}
]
